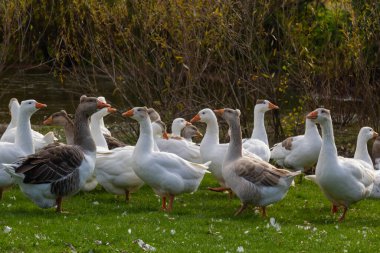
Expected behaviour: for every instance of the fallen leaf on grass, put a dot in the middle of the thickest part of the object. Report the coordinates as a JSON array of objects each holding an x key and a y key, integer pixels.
[{"x": 144, "y": 246}]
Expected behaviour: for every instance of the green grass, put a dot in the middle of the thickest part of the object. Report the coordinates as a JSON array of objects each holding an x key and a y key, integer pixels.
[{"x": 200, "y": 222}]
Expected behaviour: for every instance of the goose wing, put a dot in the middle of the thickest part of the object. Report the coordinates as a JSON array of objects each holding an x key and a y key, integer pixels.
[{"x": 51, "y": 165}]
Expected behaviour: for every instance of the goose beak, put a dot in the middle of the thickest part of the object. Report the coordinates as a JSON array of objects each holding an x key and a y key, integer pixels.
[
  {"x": 272, "y": 106},
  {"x": 101, "y": 105},
  {"x": 165, "y": 136},
  {"x": 48, "y": 121},
  {"x": 111, "y": 110},
  {"x": 375, "y": 134},
  {"x": 40, "y": 105},
  {"x": 219, "y": 112},
  {"x": 128, "y": 113},
  {"x": 187, "y": 123},
  {"x": 195, "y": 118},
  {"x": 312, "y": 115}
]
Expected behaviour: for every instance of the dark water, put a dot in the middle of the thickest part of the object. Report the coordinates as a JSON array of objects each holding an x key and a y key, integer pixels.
[{"x": 47, "y": 89}]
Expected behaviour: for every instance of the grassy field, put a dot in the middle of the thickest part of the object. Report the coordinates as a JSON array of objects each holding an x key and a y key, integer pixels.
[{"x": 200, "y": 222}]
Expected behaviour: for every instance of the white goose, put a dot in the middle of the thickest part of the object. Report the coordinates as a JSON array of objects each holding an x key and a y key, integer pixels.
[
  {"x": 51, "y": 174},
  {"x": 361, "y": 151},
  {"x": 342, "y": 180},
  {"x": 113, "y": 169},
  {"x": 167, "y": 173},
  {"x": 252, "y": 180},
  {"x": 9, "y": 135},
  {"x": 258, "y": 143},
  {"x": 23, "y": 145},
  {"x": 211, "y": 149},
  {"x": 299, "y": 152}
]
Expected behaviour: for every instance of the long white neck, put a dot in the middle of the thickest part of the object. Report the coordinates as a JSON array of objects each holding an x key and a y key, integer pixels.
[
  {"x": 212, "y": 134},
  {"x": 24, "y": 138},
  {"x": 310, "y": 128},
  {"x": 145, "y": 143},
  {"x": 15, "y": 108},
  {"x": 176, "y": 130},
  {"x": 328, "y": 153},
  {"x": 96, "y": 131},
  {"x": 259, "y": 131},
  {"x": 361, "y": 151}
]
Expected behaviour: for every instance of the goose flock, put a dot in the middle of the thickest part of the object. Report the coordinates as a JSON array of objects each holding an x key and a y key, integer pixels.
[{"x": 172, "y": 164}]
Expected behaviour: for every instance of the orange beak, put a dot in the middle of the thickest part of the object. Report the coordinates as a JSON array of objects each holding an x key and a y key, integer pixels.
[
  {"x": 375, "y": 135},
  {"x": 128, "y": 113},
  {"x": 312, "y": 115},
  {"x": 111, "y": 110},
  {"x": 187, "y": 123},
  {"x": 165, "y": 136},
  {"x": 101, "y": 105},
  {"x": 195, "y": 118},
  {"x": 219, "y": 112},
  {"x": 273, "y": 106},
  {"x": 48, "y": 121},
  {"x": 39, "y": 105}
]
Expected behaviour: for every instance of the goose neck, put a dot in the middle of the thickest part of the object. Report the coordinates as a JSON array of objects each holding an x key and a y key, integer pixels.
[
  {"x": 361, "y": 151},
  {"x": 145, "y": 143},
  {"x": 328, "y": 149},
  {"x": 82, "y": 134},
  {"x": 235, "y": 147},
  {"x": 259, "y": 131},
  {"x": 24, "y": 138},
  {"x": 212, "y": 133},
  {"x": 310, "y": 128},
  {"x": 69, "y": 132},
  {"x": 96, "y": 132}
]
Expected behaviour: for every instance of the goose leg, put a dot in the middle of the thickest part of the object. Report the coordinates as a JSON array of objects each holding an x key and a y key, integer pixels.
[
  {"x": 171, "y": 200},
  {"x": 163, "y": 207},
  {"x": 264, "y": 211},
  {"x": 343, "y": 214},
  {"x": 59, "y": 205},
  {"x": 230, "y": 194},
  {"x": 241, "y": 209},
  {"x": 127, "y": 196},
  {"x": 334, "y": 209}
]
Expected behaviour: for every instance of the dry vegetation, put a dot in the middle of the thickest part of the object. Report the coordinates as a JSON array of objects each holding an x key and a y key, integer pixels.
[{"x": 192, "y": 54}]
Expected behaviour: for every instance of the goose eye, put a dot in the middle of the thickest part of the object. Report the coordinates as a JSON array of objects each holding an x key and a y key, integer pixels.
[
  {"x": 30, "y": 103},
  {"x": 203, "y": 113}
]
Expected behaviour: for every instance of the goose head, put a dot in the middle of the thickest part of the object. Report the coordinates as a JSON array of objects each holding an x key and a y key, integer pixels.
[
  {"x": 60, "y": 118},
  {"x": 13, "y": 106},
  {"x": 153, "y": 115},
  {"x": 90, "y": 105},
  {"x": 179, "y": 124},
  {"x": 367, "y": 133},
  {"x": 229, "y": 115},
  {"x": 206, "y": 115},
  {"x": 31, "y": 106},
  {"x": 159, "y": 129},
  {"x": 319, "y": 115},
  {"x": 190, "y": 131},
  {"x": 263, "y": 105},
  {"x": 137, "y": 113}
]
